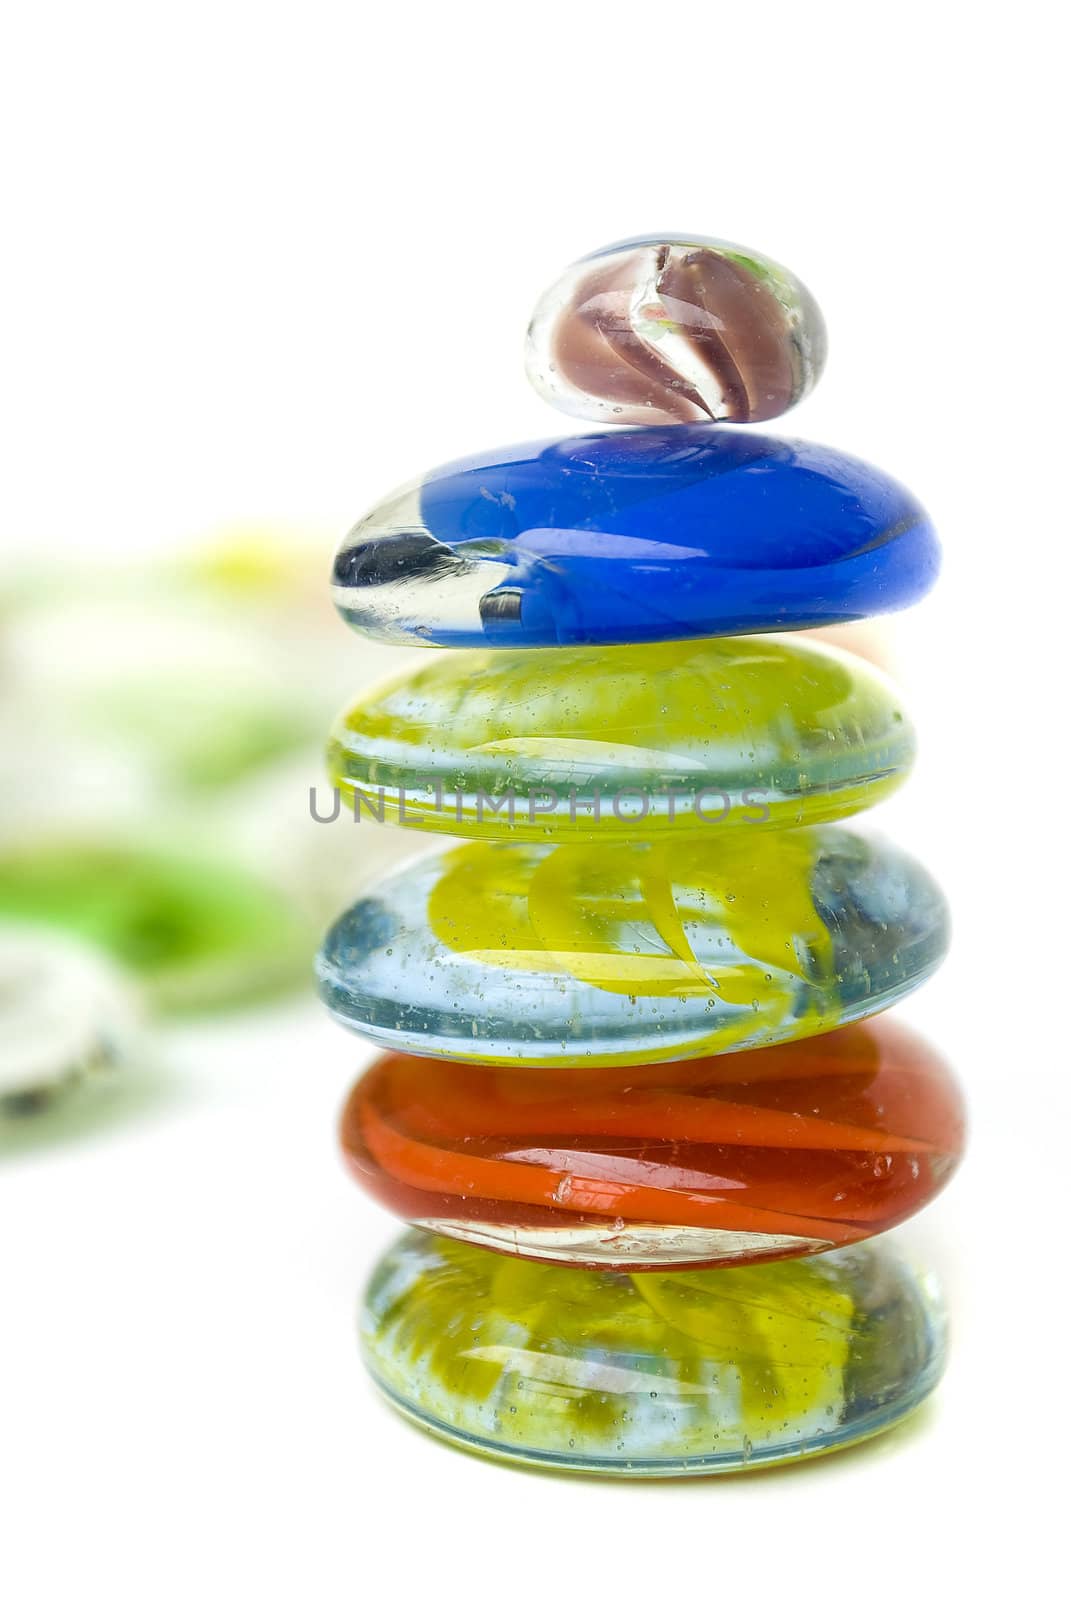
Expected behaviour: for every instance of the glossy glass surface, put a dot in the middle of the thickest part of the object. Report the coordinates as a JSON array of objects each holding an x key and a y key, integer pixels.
[
  {"x": 596, "y": 955},
  {"x": 616, "y": 538},
  {"x": 676, "y": 330},
  {"x": 652, "y": 1374},
  {"x": 698, "y": 738},
  {"x": 191, "y": 932},
  {"x": 65, "y": 1012},
  {"x": 726, "y": 1160}
]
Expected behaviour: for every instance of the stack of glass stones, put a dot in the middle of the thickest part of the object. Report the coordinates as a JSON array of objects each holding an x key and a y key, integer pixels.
[{"x": 638, "y": 1103}]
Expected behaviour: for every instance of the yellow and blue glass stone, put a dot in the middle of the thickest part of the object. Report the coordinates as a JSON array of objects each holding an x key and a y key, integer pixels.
[
  {"x": 593, "y": 954},
  {"x": 611, "y": 538},
  {"x": 652, "y": 1374},
  {"x": 687, "y": 737}
]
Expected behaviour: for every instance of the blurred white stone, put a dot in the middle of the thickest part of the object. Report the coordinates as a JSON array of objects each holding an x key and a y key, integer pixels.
[{"x": 65, "y": 1012}]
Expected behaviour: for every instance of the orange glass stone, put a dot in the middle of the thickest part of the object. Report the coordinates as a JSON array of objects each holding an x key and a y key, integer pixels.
[{"x": 764, "y": 1154}]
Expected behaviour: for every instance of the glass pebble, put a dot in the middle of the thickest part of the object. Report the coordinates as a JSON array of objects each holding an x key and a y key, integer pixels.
[
  {"x": 729, "y": 1159},
  {"x": 192, "y": 932},
  {"x": 676, "y": 330},
  {"x": 689, "y": 738},
  {"x": 615, "y": 538},
  {"x": 600, "y": 954},
  {"x": 65, "y": 1012},
  {"x": 650, "y": 1374}
]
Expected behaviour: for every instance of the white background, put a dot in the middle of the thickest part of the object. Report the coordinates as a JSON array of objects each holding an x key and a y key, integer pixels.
[{"x": 267, "y": 260}]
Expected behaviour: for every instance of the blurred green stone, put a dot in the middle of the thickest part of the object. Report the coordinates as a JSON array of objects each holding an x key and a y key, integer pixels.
[{"x": 194, "y": 932}]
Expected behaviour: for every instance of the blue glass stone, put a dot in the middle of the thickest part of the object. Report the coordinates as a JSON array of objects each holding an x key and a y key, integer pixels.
[{"x": 674, "y": 532}]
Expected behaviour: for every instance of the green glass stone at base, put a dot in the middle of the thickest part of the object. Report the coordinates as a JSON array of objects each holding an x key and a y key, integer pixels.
[{"x": 656, "y": 1374}]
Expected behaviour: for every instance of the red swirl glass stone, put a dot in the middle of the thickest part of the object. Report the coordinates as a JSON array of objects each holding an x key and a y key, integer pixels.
[{"x": 734, "y": 1158}]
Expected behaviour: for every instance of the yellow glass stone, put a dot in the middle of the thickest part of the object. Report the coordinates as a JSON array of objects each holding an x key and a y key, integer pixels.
[
  {"x": 630, "y": 741},
  {"x": 655, "y": 1374}
]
